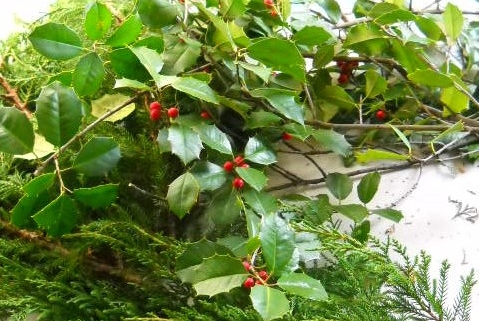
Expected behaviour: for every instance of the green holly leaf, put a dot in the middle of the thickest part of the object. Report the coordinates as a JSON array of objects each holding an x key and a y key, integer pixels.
[
  {"x": 88, "y": 75},
  {"x": 150, "y": 59},
  {"x": 56, "y": 41},
  {"x": 270, "y": 303},
  {"x": 214, "y": 138},
  {"x": 261, "y": 119},
  {"x": 59, "y": 217},
  {"x": 261, "y": 202},
  {"x": 367, "y": 39},
  {"x": 16, "y": 132},
  {"x": 196, "y": 88},
  {"x": 98, "y": 156},
  {"x": 39, "y": 184},
  {"x": 303, "y": 285},
  {"x": 224, "y": 208},
  {"x": 157, "y": 14},
  {"x": 368, "y": 186},
  {"x": 277, "y": 242},
  {"x": 311, "y": 36},
  {"x": 183, "y": 194},
  {"x": 27, "y": 206},
  {"x": 333, "y": 141},
  {"x": 282, "y": 100},
  {"x": 59, "y": 113},
  {"x": 209, "y": 175},
  {"x": 258, "y": 152},
  {"x": 355, "y": 212},
  {"x": 196, "y": 252},
  {"x": 372, "y": 155},
  {"x": 340, "y": 185},
  {"x": 453, "y": 22},
  {"x": 455, "y": 100},
  {"x": 98, "y": 20},
  {"x": 216, "y": 274},
  {"x": 389, "y": 213},
  {"x": 107, "y": 102},
  {"x": 375, "y": 84},
  {"x": 262, "y": 72},
  {"x": 255, "y": 178},
  {"x": 185, "y": 143},
  {"x": 388, "y": 13},
  {"x": 100, "y": 196},
  {"x": 126, "y": 33},
  {"x": 431, "y": 78},
  {"x": 332, "y": 8},
  {"x": 181, "y": 57},
  {"x": 287, "y": 57}
]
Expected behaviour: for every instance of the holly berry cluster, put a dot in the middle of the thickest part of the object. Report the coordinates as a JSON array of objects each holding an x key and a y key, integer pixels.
[
  {"x": 256, "y": 277},
  {"x": 269, "y": 4},
  {"x": 229, "y": 166},
  {"x": 346, "y": 70},
  {"x": 155, "y": 111}
]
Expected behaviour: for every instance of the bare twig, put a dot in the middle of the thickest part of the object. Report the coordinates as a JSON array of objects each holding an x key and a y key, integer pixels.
[{"x": 12, "y": 95}]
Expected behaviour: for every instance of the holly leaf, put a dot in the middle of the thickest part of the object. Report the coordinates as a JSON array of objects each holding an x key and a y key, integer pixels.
[
  {"x": 214, "y": 138},
  {"x": 303, "y": 285},
  {"x": 97, "y": 20},
  {"x": 368, "y": 186},
  {"x": 453, "y": 22},
  {"x": 270, "y": 303},
  {"x": 255, "y": 178},
  {"x": 262, "y": 202},
  {"x": 195, "y": 88},
  {"x": 389, "y": 213},
  {"x": 196, "y": 252},
  {"x": 277, "y": 242},
  {"x": 39, "y": 184},
  {"x": 282, "y": 100},
  {"x": 183, "y": 194},
  {"x": 157, "y": 14},
  {"x": 431, "y": 78},
  {"x": 372, "y": 155},
  {"x": 126, "y": 33},
  {"x": 16, "y": 132},
  {"x": 224, "y": 208},
  {"x": 209, "y": 175},
  {"x": 340, "y": 185},
  {"x": 59, "y": 217},
  {"x": 150, "y": 59},
  {"x": 56, "y": 41},
  {"x": 88, "y": 75},
  {"x": 333, "y": 141},
  {"x": 107, "y": 102},
  {"x": 311, "y": 36},
  {"x": 375, "y": 84},
  {"x": 98, "y": 156},
  {"x": 355, "y": 212},
  {"x": 100, "y": 196},
  {"x": 258, "y": 152},
  {"x": 185, "y": 143}
]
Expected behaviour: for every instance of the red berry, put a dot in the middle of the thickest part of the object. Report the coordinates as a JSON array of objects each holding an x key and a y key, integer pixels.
[
  {"x": 155, "y": 105},
  {"x": 268, "y": 3},
  {"x": 238, "y": 183},
  {"x": 205, "y": 115},
  {"x": 249, "y": 283},
  {"x": 353, "y": 64},
  {"x": 173, "y": 112},
  {"x": 287, "y": 136},
  {"x": 228, "y": 166},
  {"x": 340, "y": 63},
  {"x": 343, "y": 78},
  {"x": 245, "y": 165},
  {"x": 247, "y": 265},
  {"x": 155, "y": 114},
  {"x": 263, "y": 275},
  {"x": 273, "y": 13},
  {"x": 239, "y": 160},
  {"x": 381, "y": 115}
]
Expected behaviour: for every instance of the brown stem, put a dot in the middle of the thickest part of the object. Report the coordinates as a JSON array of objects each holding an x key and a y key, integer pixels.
[{"x": 12, "y": 95}]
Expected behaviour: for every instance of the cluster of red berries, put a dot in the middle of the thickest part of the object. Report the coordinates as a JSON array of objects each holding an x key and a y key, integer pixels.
[
  {"x": 155, "y": 111},
  {"x": 346, "y": 68},
  {"x": 229, "y": 166},
  {"x": 260, "y": 277},
  {"x": 269, "y": 4}
]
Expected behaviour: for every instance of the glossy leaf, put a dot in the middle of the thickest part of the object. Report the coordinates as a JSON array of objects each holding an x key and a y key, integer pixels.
[
  {"x": 287, "y": 57},
  {"x": 269, "y": 302},
  {"x": 181, "y": 57},
  {"x": 27, "y": 206},
  {"x": 98, "y": 20},
  {"x": 108, "y": 102},
  {"x": 150, "y": 59},
  {"x": 196, "y": 252},
  {"x": 253, "y": 223},
  {"x": 255, "y": 178},
  {"x": 41, "y": 148},
  {"x": 285, "y": 101},
  {"x": 388, "y": 13},
  {"x": 299, "y": 131},
  {"x": 303, "y": 285},
  {"x": 237, "y": 244},
  {"x": 100, "y": 196},
  {"x": 372, "y": 155},
  {"x": 332, "y": 8},
  {"x": 333, "y": 141},
  {"x": 220, "y": 25},
  {"x": 224, "y": 208},
  {"x": 453, "y": 21},
  {"x": 311, "y": 36},
  {"x": 319, "y": 210},
  {"x": 366, "y": 38},
  {"x": 340, "y": 185},
  {"x": 16, "y": 132},
  {"x": 39, "y": 184},
  {"x": 59, "y": 113},
  {"x": 261, "y": 119},
  {"x": 157, "y": 14},
  {"x": 323, "y": 56},
  {"x": 56, "y": 41},
  {"x": 335, "y": 97},
  {"x": 126, "y": 33},
  {"x": 368, "y": 186},
  {"x": 431, "y": 78},
  {"x": 455, "y": 100},
  {"x": 375, "y": 84},
  {"x": 88, "y": 75},
  {"x": 429, "y": 28},
  {"x": 214, "y": 138},
  {"x": 216, "y": 274},
  {"x": 196, "y": 88},
  {"x": 389, "y": 213},
  {"x": 355, "y": 212},
  {"x": 263, "y": 72},
  {"x": 209, "y": 175},
  {"x": 130, "y": 83},
  {"x": 277, "y": 242},
  {"x": 59, "y": 217},
  {"x": 232, "y": 8},
  {"x": 126, "y": 64},
  {"x": 183, "y": 194},
  {"x": 261, "y": 202},
  {"x": 185, "y": 143},
  {"x": 258, "y": 152},
  {"x": 98, "y": 156}
]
